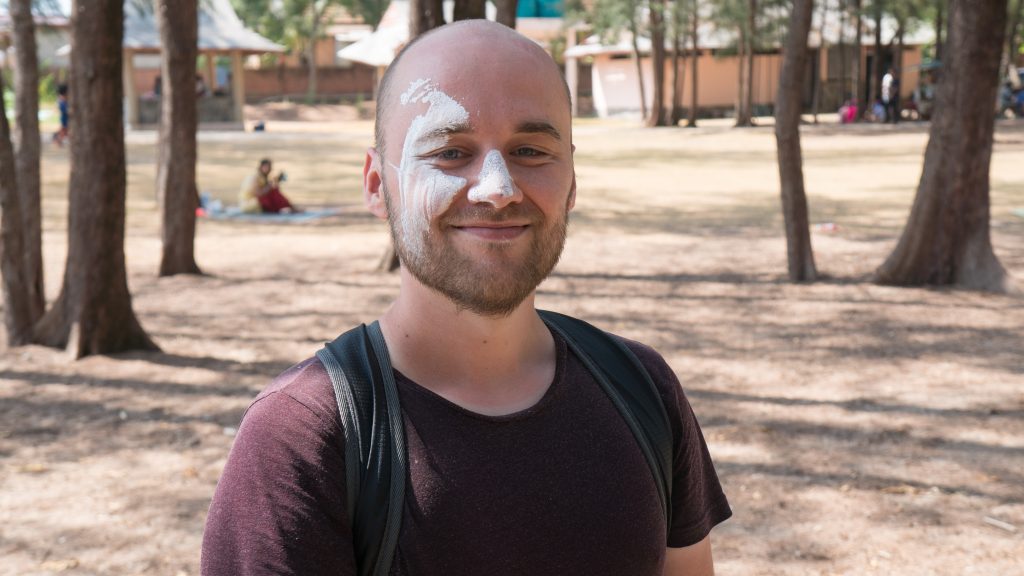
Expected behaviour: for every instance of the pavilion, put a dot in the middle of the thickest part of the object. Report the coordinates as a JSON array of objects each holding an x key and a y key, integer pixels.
[{"x": 221, "y": 33}]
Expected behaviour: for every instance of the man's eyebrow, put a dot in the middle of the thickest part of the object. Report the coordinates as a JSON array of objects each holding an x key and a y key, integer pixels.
[
  {"x": 539, "y": 127},
  {"x": 447, "y": 131}
]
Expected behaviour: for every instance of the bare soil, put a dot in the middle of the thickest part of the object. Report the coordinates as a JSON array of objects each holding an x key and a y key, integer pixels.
[{"x": 858, "y": 429}]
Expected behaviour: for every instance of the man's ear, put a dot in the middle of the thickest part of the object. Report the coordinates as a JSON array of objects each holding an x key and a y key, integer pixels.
[{"x": 373, "y": 184}]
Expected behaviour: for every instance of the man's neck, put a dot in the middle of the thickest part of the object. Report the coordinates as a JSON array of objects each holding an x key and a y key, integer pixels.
[{"x": 490, "y": 365}]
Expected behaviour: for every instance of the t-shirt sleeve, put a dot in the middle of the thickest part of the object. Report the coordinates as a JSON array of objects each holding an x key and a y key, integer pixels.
[
  {"x": 279, "y": 507},
  {"x": 698, "y": 502}
]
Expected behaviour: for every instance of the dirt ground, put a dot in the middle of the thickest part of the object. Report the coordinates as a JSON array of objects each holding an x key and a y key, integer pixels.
[{"x": 858, "y": 429}]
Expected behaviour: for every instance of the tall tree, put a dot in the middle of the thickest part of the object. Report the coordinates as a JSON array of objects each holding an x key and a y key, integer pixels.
[
  {"x": 1012, "y": 31},
  {"x": 788, "y": 105},
  {"x": 656, "y": 15},
  {"x": 468, "y": 9},
  {"x": 679, "y": 32},
  {"x": 178, "y": 22},
  {"x": 947, "y": 240},
  {"x": 17, "y": 320},
  {"x": 858, "y": 49},
  {"x": 93, "y": 313},
  {"x": 26, "y": 90},
  {"x": 424, "y": 15},
  {"x": 691, "y": 115},
  {"x": 505, "y": 12}
]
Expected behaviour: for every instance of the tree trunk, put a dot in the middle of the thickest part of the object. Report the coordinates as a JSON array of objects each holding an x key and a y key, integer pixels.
[
  {"x": 751, "y": 50},
  {"x": 946, "y": 239},
  {"x": 877, "y": 69},
  {"x": 678, "y": 70},
  {"x": 842, "y": 52},
  {"x": 691, "y": 116},
  {"x": 819, "y": 80},
  {"x": 26, "y": 93},
  {"x": 424, "y": 15},
  {"x": 858, "y": 72},
  {"x": 505, "y": 12},
  {"x": 176, "y": 181},
  {"x": 800, "y": 256},
  {"x": 468, "y": 10},
  {"x": 742, "y": 119},
  {"x": 657, "y": 115},
  {"x": 13, "y": 268},
  {"x": 1012, "y": 46},
  {"x": 898, "y": 73},
  {"x": 93, "y": 314},
  {"x": 311, "y": 87},
  {"x": 939, "y": 29},
  {"x": 639, "y": 66}
]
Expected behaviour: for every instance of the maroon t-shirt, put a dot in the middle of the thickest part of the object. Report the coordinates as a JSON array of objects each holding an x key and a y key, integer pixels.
[{"x": 560, "y": 488}]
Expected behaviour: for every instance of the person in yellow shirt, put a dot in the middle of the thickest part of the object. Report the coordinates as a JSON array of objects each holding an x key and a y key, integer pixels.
[{"x": 261, "y": 192}]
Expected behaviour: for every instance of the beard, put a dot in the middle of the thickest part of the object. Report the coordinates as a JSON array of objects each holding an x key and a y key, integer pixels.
[{"x": 493, "y": 286}]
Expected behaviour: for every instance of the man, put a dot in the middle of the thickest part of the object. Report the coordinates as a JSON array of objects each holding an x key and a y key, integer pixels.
[
  {"x": 262, "y": 193},
  {"x": 519, "y": 464}
]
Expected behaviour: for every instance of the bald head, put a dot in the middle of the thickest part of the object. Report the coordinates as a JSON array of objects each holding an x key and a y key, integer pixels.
[{"x": 468, "y": 49}]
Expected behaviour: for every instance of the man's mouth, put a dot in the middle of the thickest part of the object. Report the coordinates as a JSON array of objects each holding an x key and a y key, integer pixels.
[{"x": 493, "y": 231}]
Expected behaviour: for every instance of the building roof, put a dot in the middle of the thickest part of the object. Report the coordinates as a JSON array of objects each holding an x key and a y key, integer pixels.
[{"x": 220, "y": 30}]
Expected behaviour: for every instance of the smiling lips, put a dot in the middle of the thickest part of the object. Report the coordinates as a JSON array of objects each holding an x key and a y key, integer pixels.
[{"x": 493, "y": 231}]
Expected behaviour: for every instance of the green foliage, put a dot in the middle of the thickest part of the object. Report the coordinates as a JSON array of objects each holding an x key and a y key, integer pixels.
[
  {"x": 298, "y": 23},
  {"x": 610, "y": 17}
]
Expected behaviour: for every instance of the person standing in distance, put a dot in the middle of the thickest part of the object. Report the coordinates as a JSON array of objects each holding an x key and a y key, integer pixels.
[{"x": 518, "y": 462}]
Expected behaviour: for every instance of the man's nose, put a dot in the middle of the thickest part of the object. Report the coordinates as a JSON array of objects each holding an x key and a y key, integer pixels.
[{"x": 494, "y": 185}]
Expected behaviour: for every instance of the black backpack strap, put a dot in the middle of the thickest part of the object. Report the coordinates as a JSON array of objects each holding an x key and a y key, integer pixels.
[
  {"x": 364, "y": 386},
  {"x": 624, "y": 378}
]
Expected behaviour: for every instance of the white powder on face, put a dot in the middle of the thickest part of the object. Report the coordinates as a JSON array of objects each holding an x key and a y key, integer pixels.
[
  {"x": 494, "y": 181},
  {"x": 425, "y": 190}
]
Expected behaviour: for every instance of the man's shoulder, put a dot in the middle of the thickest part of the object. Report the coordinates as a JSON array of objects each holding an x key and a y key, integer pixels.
[{"x": 304, "y": 384}]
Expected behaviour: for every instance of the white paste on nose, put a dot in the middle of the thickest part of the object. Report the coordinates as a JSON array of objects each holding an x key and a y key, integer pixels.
[
  {"x": 494, "y": 182},
  {"x": 426, "y": 190}
]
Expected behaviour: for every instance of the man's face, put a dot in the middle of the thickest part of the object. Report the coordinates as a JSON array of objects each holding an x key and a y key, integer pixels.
[
  {"x": 478, "y": 172},
  {"x": 265, "y": 168}
]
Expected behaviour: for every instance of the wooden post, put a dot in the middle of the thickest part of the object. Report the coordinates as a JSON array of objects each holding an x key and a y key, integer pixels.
[
  {"x": 131, "y": 99},
  {"x": 238, "y": 86},
  {"x": 211, "y": 71}
]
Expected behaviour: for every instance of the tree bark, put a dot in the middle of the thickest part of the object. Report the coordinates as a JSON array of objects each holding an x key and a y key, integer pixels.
[
  {"x": 633, "y": 28},
  {"x": 877, "y": 69},
  {"x": 657, "y": 115},
  {"x": 742, "y": 119},
  {"x": 505, "y": 12},
  {"x": 424, "y": 15},
  {"x": 26, "y": 93},
  {"x": 819, "y": 81},
  {"x": 800, "y": 256},
  {"x": 842, "y": 51},
  {"x": 1011, "y": 35},
  {"x": 691, "y": 116},
  {"x": 678, "y": 67},
  {"x": 176, "y": 176},
  {"x": 13, "y": 268},
  {"x": 93, "y": 314},
  {"x": 468, "y": 10},
  {"x": 858, "y": 72},
  {"x": 946, "y": 240},
  {"x": 939, "y": 29}
]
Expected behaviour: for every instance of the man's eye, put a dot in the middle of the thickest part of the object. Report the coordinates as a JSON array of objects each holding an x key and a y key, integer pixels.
[
  {"x": 528, "y": 152},
  {"x": 449, "y": 154}
]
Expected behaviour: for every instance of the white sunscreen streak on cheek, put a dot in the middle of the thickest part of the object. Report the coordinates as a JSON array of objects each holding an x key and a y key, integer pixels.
[
  {"x": 426, "y": 191},
  {"x": 494, "y": 180}
]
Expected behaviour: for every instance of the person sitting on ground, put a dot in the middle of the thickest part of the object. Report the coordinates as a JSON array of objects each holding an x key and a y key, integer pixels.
[{"x": 262, "y": 193}]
